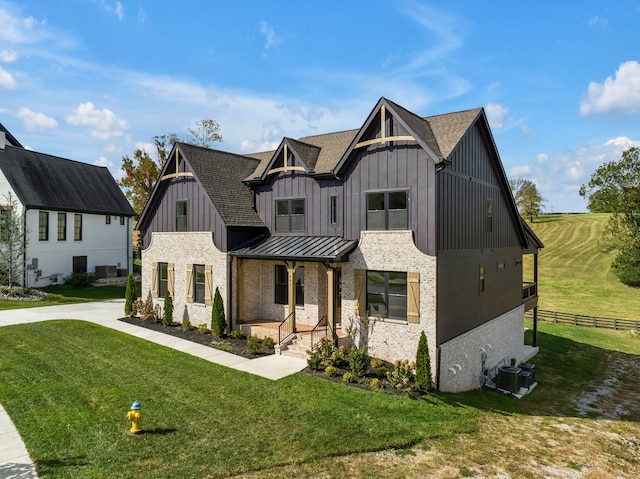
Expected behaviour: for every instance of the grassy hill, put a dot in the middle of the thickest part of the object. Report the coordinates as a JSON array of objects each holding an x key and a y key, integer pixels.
[{"x": 574, "y": 275}]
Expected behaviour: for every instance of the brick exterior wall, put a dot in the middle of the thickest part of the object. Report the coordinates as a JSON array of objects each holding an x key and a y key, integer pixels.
[
  {"x": 393, "y": 251},
  {"x": 258, "y": 290},
  {"x": 182, "y": 249},
  {"x": 460, "y": 358}
]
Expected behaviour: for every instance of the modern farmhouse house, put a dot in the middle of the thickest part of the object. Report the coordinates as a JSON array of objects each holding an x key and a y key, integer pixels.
[
  {"x": 408, "y": 221},
  {"x": 76, "y": 217}
]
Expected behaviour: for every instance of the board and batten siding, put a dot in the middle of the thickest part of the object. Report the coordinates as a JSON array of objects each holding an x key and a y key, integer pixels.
[
  {"x": 316, "y": 194},
  {"x": 201, "y": 214},
  {"x": 399, "y": 166}
]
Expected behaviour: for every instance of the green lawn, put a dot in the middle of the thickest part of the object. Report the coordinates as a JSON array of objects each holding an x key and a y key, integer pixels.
[
  {"x": 63, "y": 294},
  {"x": 68, "y": 385},
  {"x": 574, "y": 275}
]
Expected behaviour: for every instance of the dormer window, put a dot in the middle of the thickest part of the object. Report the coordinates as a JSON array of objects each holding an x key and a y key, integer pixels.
[{"x": 290, "y": 215}]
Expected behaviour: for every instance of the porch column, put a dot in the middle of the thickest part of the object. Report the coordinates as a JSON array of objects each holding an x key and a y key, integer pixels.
[
  {"x": 291, "y": 271},
  {"x": 534, "y": 342},
  {"x": 240, "y": 290},
  {"x": 330, "y": 299}
]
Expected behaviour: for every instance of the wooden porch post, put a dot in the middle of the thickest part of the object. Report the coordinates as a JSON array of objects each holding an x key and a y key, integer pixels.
[
  {"x": 240, "y": 290},
  {"x": 535, "y": 309},
  {"x": 291, "y": 272},
  {"x": 331, "y": 307}
]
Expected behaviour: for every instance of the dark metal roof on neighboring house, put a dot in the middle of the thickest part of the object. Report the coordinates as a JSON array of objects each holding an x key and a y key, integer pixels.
[
  {"x": 221, "y": 174},
  {"x": 291, "y": 248},
  {"x": 50, "y": 182}
]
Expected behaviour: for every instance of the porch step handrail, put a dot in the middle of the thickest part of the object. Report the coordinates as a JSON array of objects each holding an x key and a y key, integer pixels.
[
  {"x": 321, "y": 325},
  {"x": 285, "y": 329}
]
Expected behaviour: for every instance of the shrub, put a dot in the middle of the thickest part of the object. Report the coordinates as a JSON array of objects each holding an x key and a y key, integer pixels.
[
  {"x": 376, "y": 362},
  {"x": 330, "y": 371},
  {"x": 348, "y": 377},
  {"x": 218, "y": 321},
  {"x": 324, "y": 354},
  {"x": 167, "y": 315},
  {"x": 185, "y": 325},
  {"x": 268, "y": 342},
  {"x": 79, "y": 280},
  {"x": 144, "y": 309},
  {"x": 382, "y": 372},
  {"x": 358, "y": 362},
  {"x": 423, "y": 364},
  {"x": 130, "y": 295},
  {"x": 202, "y": 328},
  {"x": 376, "y": 384},
  {"x": 238, "y": 334},
  {"x": 402, "y": 376},
  {"x": 253, "y": 345},
  {"x": 626, "y": 266}
]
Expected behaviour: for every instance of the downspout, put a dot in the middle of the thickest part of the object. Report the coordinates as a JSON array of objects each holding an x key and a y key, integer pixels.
[
  {"x": 24, "y": 249},
  {"x": 438, "y": 352},
  {"x": 129, "y": 245},
  {"x": 230, "y": 305}
]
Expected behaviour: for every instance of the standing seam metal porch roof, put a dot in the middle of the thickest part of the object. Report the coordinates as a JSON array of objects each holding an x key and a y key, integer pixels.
[{"x": 307, "y": 248}]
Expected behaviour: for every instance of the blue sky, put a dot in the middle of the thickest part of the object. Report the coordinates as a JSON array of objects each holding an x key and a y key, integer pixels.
[{"x": 91, "y": 80}]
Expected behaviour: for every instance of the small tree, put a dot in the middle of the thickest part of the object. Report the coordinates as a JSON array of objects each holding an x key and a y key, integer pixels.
[
  {"x": 527, "y": 197},
  {"x": 423, "y": 364},
  {"x": 218, "y": 320},
  {"x": 167, "y": 315},
  {"x": 130, "y": 295},
  {"x": 13, "y": 242}
]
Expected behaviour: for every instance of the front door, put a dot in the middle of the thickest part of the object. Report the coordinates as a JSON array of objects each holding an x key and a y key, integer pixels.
[{"x": 79, "y": 264}]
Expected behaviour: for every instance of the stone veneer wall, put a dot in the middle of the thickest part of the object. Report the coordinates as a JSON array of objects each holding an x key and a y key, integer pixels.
[
  {"x": 182, "y": 249},
  {"x": 460, "y": 358},
  {"x": 259, "y": 293},
  {"x": 394, "y": 251}
]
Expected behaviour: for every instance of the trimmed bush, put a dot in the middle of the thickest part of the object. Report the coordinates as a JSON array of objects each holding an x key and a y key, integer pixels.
[
  {"x": 80, "y": 280},
  {"x": 167, "y": 315},
  {"x": 185, "y": 325},
  {"x": 358, "y": 362},
  {"x": 268, "y": 342},
  {"x": 423, "y": 365},
  {"x": 130, "y": 295},
  {"x": 218, "y": 321},
  {"x": 253, "y": 345}
]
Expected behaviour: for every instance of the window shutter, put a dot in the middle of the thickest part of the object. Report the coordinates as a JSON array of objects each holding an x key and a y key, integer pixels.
[
  {"x": 208, "y": 284},
  {"x": 359, "y": 302},
  {"x": 189, "y": 283},
  {"x": 413, "y": 297},
  {"x": 170, "y": 279},
  {"x": 154, "y": 280}
]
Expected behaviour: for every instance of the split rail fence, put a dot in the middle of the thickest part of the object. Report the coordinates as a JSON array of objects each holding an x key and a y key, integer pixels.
[{"x": 584, "y": 320}]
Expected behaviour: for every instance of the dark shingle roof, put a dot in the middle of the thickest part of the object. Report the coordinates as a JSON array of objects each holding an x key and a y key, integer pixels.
[
  {"x": 49, "y": 182},
  {"x": 309, "y": 248},
  {"x": 307, "y": 153},
  {"x": 449, "y": 128},
  {"x": 421, "y": 128},
  {"x": 332, "y": 147},
  {"x": 221, "y": 174}
]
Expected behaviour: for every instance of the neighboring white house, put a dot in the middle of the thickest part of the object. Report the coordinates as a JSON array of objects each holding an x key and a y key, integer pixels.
[{"x": 76, "y": 217}]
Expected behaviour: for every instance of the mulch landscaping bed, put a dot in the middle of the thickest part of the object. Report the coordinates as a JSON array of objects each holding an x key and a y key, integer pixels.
[{"x": 236, "y": 346}]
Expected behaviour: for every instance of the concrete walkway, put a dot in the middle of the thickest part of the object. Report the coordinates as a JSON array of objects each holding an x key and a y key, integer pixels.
[{"x": 15, "y": 462}]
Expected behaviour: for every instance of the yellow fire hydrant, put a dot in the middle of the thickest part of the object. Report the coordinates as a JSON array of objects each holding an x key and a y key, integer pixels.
[{"x": 135, "y": 416}]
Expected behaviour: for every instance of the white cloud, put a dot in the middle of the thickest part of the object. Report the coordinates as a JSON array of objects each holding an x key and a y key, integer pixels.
[
  {"x": 271, "y": 39},
  {"x": 619, "y": 94},
  {"x": 603, "y": 22},
  {"x": 111, "y": 7},
  {"x": 527, "y": 131},
  {"x": 102, "y": 161},
  {"x": 103, "y": 124},
  {"x": 16, "y": 29},
  {"x": 141, "y": 15},
  {"x": 119, "y": 10},
  {"x": 36, "y": 121},
  {"x": 518, "y": 171},
  {"x": 497, "y": 115},
  {"x": 8, "y": 56},
  {"x": 6, "y": 80}
]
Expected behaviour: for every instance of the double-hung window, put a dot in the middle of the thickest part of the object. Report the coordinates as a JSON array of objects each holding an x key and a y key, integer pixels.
[
  {"x": 107, "y": 219},
  {"x": 163, "y": 278},
  {"x": 181, "y": 216},
  {"x": 43, "y": 226},
  {"x": 387, "y": 294},
  {"x": 290, "y": 215},
  {"x": 282, "y": 285},
  {"x": 387, "y": 210},
  {"x": 77, "y": 227},
  {"x": 62, "y": 226},
  {"x": 198, "y": 283}
]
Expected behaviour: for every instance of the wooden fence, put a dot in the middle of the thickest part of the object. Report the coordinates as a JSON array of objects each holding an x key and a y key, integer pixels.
[{"x": 584, "y": 320}]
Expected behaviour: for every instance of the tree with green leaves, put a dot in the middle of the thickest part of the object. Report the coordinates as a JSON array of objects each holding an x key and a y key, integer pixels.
[
  {"x": 528, "y": 199},
  {"x": 615, "y": 188},
  {"x": 141, "y": 171},
  {"x": 423, "y": 364},
  {"x": 218, "y": 320},
  {"x": 167, "y": 314},
  {"x": 13, "y": 242},
  {"x": 130, "y": 295}
]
